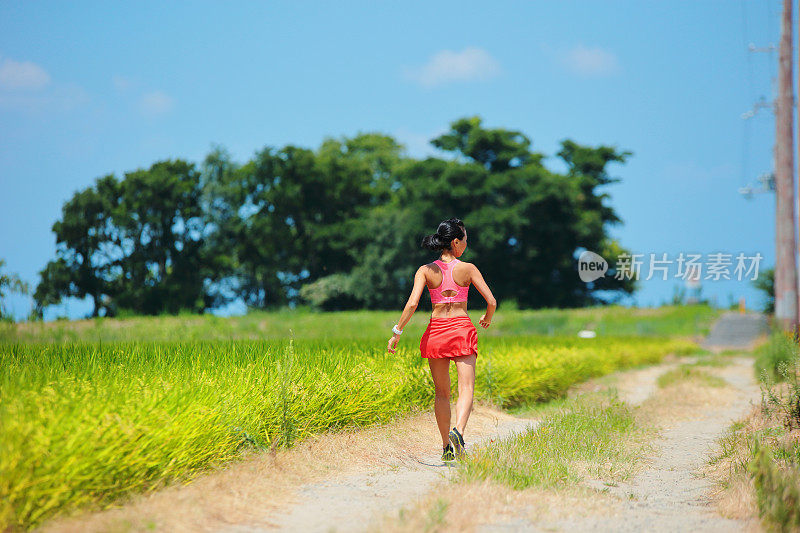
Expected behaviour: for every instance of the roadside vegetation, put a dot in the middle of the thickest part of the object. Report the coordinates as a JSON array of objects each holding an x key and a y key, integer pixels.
[
  {"x": 586, "y": 436},
  {"x": 84, "y": 423},
  {"x": 757, "y": 467},
  {"x": 689, "y": 372},
  {"x": 775, "y": 356},
  {"x": 575, "y": 461}
]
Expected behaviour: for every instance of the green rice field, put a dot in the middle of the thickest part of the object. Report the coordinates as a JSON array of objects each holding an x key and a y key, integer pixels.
[
  {"x": 302, "y": 323},
  {"x": 94, "y": 410}
]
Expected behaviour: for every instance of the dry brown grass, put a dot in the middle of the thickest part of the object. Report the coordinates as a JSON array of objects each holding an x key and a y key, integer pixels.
[
  {"x": 682, "y": 400},
  {"x": 734, "y": 492},
  {"x": 250, "y": 490},
  {"x": 472, "y": 505},
  {"x": 469, "y": 506}
]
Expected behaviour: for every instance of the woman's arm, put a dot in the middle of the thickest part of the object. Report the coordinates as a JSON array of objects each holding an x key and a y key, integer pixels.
[
  {"x": 411, "y": 305},
  {"x": 483, "y": 288}
]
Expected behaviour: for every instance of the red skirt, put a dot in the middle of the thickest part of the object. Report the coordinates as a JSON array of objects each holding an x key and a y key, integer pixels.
[{"x": 449, "y": 337}]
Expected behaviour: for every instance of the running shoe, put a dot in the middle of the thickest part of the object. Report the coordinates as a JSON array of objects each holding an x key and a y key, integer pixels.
[
  {"x": 447, "y": 454},
  {"x": 457, "y": 441}
]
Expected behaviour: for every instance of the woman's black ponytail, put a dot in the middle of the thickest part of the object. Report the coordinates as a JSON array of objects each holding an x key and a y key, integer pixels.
[
  {"x": 433, "y": 242},
  {"x": 445, "y": 233}
]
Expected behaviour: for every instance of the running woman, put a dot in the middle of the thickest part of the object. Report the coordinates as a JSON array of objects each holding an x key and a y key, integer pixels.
[{"x": 450, "y": 335}]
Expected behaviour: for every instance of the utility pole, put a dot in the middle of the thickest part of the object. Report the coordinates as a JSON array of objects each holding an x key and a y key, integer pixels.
[{"x": 786, "y": 294}]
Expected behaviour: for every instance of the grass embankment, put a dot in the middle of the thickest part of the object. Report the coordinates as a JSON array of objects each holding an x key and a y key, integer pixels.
[
  {"x": 758, "y": 465},
  {"x": 587, "y": 436},
  {"x": 672, "y": 321},
  {"x": 689, "y": 372},
  {"x": 594, "y": 435},
  {"x": 85, "y": 423},
  {"x": 571, "y": 465},
  {"x": 775, "y": 356}
]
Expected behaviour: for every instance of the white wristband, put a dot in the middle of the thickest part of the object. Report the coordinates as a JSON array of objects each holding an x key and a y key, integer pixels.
[{"x": 396, "y": 331}]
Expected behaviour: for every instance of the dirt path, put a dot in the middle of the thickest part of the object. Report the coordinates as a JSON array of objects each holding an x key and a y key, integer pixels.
[
  {"x": 352, "y": 481},
  {"x": 332, "y": 479},
  {"x": 349, "y": 502},
  {"x": 669, "y": 494},
  {"x": 666, "y": 496},
  {"x": 636, "y": 386}
]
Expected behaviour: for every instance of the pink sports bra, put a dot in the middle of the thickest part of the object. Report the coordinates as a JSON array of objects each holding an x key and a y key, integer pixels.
[{"x": 448, "y": 284}]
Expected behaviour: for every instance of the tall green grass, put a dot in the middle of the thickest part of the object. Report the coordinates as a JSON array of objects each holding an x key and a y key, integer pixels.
[
  {"x": 775, "y": 356},
  {"x": 775, "y": 468},
  {"x": 764, "y": 447},
  {"x": 82, "y": 424},
  {"x": 589, "y": 435},
  {"x": 614, "y": 320}
]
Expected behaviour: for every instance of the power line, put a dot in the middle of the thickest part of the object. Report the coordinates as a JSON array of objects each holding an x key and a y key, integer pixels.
[{"x": 748, "y": 190}]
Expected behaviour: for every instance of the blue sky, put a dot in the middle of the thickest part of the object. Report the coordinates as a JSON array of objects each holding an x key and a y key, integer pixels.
[{"x": 90, "y": 88}]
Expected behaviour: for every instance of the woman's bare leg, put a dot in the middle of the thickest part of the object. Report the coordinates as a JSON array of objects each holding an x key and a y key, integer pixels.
[
  {"x": 465, "y": 365},
  {"x": 440, "y": 370}
]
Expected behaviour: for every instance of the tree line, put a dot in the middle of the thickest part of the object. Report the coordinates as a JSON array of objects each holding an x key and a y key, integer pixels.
[{"x": 338, "y": 227}]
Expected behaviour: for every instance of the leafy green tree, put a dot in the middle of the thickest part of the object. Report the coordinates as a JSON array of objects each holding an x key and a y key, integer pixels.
[
  {"x": 133, "y": 244},
  {"x": 82, "y": 239},
  {"x": 55, "y": 283},
  {"x": 525, "y": 222},
  {"x": 337, "y": 227},
  {"x": 299, "y": 210},
  {"x": 765, "y": 282},
  {"x": 497, "y": 149},
  {"x": 588, "y": 168},
  {"x": 10, "y": 283},
  {"x": 221, "y": 203},
  {"x": 385, "y": 253},
  {"x": 160, "y": 235}
]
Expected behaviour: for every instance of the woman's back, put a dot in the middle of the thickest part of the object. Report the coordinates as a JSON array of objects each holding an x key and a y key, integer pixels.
[{"x": 448, "y": 284}]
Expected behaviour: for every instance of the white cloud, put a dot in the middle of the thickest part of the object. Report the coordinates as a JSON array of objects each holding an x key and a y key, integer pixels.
[
  {"x": 471, "y": 64},
  {"x": 155, "y": 103},
  {"x": 22, "y": 75},
  {"x": 26, "y": 87},
  {"x": 590, "y": 61},
  {"x": 121, "y": 83}
]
